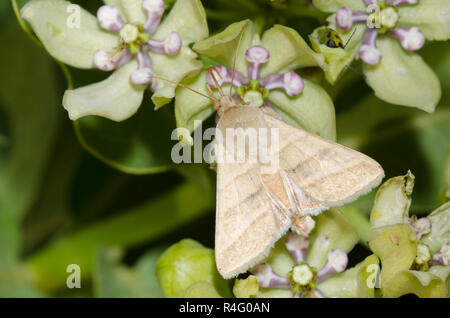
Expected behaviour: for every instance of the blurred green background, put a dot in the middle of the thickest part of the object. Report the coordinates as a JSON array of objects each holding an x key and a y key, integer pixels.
[{"x": 61, "y": 204}]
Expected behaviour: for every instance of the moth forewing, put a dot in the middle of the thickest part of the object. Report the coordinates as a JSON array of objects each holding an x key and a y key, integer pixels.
[
  {"x": 322, "y": 173},
  {"x": 255, "y": 207},
  {"x": 249, "y": 220}
]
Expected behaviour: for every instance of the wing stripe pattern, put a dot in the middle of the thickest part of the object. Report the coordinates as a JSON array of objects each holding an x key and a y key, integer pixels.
[{"x": 254, "y": 210}]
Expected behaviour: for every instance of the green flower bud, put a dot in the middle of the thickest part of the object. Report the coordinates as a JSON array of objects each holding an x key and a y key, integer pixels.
[
  {"x": 246, "y": 288},
  {"x": 185, "y": 263}
]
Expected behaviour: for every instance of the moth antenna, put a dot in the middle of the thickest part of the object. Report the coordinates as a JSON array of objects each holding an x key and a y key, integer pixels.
[
  {"x": 187, "y": 87},
  {"x": 351, "y": 36},
  {"x": 234, "y": 62},
  {"x": 211, "y": 69}
]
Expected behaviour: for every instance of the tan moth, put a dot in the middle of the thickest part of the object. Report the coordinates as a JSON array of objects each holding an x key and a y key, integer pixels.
[
  {"x": 255, "y": 206},
  {"x": 254, "y": 210}
]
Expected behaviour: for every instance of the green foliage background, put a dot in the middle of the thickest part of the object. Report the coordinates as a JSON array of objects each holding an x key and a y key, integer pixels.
[{"x": 105, "y": 195}]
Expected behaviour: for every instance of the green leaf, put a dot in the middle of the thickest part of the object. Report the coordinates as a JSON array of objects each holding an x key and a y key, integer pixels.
[
  {"x": 145, "y": 272},
  {"x": 139, "y": 145},
  {"x": 113, "y": 280},
  {"x": 403, "y": 78},
  {"x": 143, "y": 223},
  {"x": 332, "y": 230},
  {"x": 190, "y": 106},
  {"x": 312, "y": 110},
  {"x": 30, "y": 110},
  {"x": 392, "y": 202},
  {"x": 399, "y": 139},
  {"x": 4, "y": 8},
  {"x": 445, "y": 194},
  {"x": 9, "y": 240},
  {"x": 17, "y": 282},
  {"x": 185, "y": 263},
  {"x": 288, "y": 50}
]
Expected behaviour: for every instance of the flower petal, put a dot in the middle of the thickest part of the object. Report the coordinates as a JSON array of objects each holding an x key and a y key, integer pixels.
[
  {"x": 422, "y": 284},
  {"x": 288, "y": 51},
  {"x": 114, "y": 98},
  {"x": 443, "y": 272},
  {"x": 431, "y": 16},
  {"x": 312, "y": 110},
  {"x": 358, "y": 281},
  {"x": 403, "y": 78},
  {"x": 392, "y": 201},
  {"x": 280, "y": 259},
  {"x": 396, "y": 247},
  {"x": 188, "y": 19},
  {"x": 66, "y": 41},
  {"x": 222, "y": 47},
  {"x": 132, "y": 10},
  {"x": 332, "y": 231},
  {"x": 440, "y": 228},
  {"x": 173, "y": 68},
  {"x": 333, "y": 6},
  {"x": 190, "y": 106}
]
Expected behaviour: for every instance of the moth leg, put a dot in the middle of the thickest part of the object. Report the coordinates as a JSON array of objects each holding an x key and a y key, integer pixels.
[{"x": 216, "y": 102}]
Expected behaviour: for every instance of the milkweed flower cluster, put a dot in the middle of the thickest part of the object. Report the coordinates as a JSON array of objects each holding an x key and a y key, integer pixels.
[
  {"x": 264, "y": 76},
  {"x": 302, "y": 279},
  {"x": 411, "y": 38},
  {"x": 253, "y": 89},
  {"x": 130, "y": 38},
  {"x": 384, "y": 34},
  {"x": 414, "y": 252},
  {"x": 135, "y": 40}
]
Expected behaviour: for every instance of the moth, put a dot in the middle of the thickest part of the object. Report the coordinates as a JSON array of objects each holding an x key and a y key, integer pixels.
[
  {"x": 255, "y": 206},
  {"x": 254, "y": 209}
]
